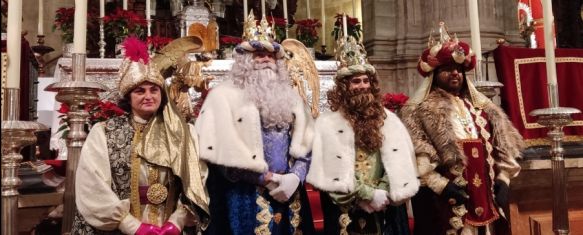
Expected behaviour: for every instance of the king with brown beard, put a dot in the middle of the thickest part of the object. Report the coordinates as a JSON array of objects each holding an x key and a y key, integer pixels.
[{"x": 362, "y": 155}]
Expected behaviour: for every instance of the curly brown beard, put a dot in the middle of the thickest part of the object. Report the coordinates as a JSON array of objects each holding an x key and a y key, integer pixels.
[{"x": 363, "y": 110}]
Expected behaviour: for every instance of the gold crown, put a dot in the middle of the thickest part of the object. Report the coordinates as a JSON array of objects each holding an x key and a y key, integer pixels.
[
  {"x": 254, "y": 32},
  {"x": 351, "y": 57}
]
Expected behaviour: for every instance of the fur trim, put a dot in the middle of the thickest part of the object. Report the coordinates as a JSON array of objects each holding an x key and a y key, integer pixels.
[
  {"x": 229, "y": 130},
  {"x": 432, "y": 136},
  {"x": 333, "y": 154}
]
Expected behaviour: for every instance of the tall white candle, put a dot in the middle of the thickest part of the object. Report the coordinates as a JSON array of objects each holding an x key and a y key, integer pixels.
[
  {"x": 344, "y": 26},
  {"x": 262, "y": 8},
  {"x": 148, "y": 17},
  {"x": 550, "y": 46},
  {"x": 285, "y": 17},
  {"x": 353, "y": 8},
  {"x": 475, "y": 28},
  {"x": 308, "y": 9},
  {"x": 125, "y": 4},
  {"x": 41, "y": 16},
  {"x": 245, "y": 10},
  {"x": 13, "y": 40},
  {"x": 323, "y": 19},
  {"x": 80, "y": 27},
  {"x": 101, "y": 8}
]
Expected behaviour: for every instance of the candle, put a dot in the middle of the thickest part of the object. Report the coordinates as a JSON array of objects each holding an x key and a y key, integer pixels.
[
  {"x": 148, "y": 6},
  {"x": 475, "y": 28},
  {"x": 245, "y": 10},
  {"x": 285, "y": 17},
  {"x": 344, "y": 26},
  {"x": 125, "y": 4},
  {"x": 308, "y": 9},
  {"x": 101, "y": 8},
  {"x": 80, "y": 27},
  {"x": 353, "y": 8},
  {"x": 13, "y": 40},
  {"x": 323, "y": 19},
  {"x": 41, "y": 17},
  {"x": 262, "y": 8},
  {"x": 550, "y": 52}
]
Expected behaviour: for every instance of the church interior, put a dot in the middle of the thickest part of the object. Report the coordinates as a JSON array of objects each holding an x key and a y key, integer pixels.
[{"x": 509, "y": 37}]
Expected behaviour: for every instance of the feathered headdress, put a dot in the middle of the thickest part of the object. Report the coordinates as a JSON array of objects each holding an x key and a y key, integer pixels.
[
  {"x": 447, "y": 51},
  {"x": 351, "y": 57},
  {"x": 259, "y": 38},
  {"x": 136, "y": 67}
]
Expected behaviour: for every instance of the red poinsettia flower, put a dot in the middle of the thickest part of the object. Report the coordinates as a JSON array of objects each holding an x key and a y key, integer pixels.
[
  {"x": 156, "y": 42},
  {"x": 229, "y": 41},
  {"x": 64, "y": 109},
  {"x": 307, "y": 32},
  {"x": 394, "y": 102}
]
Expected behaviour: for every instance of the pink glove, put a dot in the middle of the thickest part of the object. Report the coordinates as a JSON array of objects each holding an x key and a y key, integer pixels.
[
  {"x": 148, "y": 229},
  {"x": 288, "y": 184},
  {"x": 169, "y": 229}
]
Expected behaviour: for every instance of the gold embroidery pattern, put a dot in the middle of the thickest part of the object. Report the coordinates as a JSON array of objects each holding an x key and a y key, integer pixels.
[
  {"x": 135, "y": 171},
  {"x": 344, "y": 221},
  {"x": 481, "y": 122},
  {"x": 264, "y": 216},
  {"x": 295, "y": 207},
  {"x": 477, "y": 181},
  {"x": 475, "y": 153},
  {"x": 479, "y": 211}
]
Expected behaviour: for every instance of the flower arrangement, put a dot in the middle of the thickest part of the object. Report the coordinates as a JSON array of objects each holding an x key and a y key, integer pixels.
[
  {"x": 306, "y": 31},
  {"x": 64, "y": 21},
  {"x": 394, "y": 102},
  {"x": 156, "y": 43},
  {"x": 98, "y": 112},
  {"x": 229, "y": 41},
  {"x": 354, "y": 28},
  {"x": 278, "y": 25},
  {"x": 123, "y": 23}
]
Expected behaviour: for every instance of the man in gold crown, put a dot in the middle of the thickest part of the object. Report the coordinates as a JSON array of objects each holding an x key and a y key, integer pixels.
[
  {"x": 256, "y": 133},
  {"x": 362, "y": 156},
  {"x": 139, "y": 173},
  {"x": 465, "y": 146}
]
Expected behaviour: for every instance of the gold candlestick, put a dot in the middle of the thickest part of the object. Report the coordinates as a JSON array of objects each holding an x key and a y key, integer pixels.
[{"x": 39, "y": 51}]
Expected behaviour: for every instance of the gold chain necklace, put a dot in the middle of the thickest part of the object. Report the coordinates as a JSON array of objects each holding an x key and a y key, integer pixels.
[{"x": 462, "y": 116}]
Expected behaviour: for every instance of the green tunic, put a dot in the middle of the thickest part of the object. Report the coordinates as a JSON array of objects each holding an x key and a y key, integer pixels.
[{"x": 369, "y": 175}]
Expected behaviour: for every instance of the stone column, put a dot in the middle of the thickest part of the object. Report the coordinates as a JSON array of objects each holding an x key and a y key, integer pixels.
[{"x": 396, "y": 32}]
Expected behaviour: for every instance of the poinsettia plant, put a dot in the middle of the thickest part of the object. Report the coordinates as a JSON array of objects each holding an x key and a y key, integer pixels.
[
  {"x": 353, "y": 27},
  {"x": 156, "y": 43},
  {"x": 123, "y": 23},
  {"x": 64, "y": 21},
  {"x": 98, "y": 112},
  {"x": 394, "y": 102},
  {"x": 307, "y": 32},
  {"x": 278, "y": 25},
  {"x": 229, "y": 41}
]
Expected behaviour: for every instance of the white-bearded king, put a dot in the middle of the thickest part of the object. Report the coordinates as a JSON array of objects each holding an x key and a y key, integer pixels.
[{"x": 256, "y": 133}]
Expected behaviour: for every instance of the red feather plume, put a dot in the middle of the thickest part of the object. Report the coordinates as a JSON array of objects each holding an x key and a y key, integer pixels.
[{"x": 135, "y": 49}]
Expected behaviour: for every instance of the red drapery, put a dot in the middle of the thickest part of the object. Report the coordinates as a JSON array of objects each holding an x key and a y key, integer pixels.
[{"x": 523, "y": 73}]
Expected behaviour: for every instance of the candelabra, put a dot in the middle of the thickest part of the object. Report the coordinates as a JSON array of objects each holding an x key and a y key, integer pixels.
[
  {"x": 555, "y": 118},
  {"x": 39, "y": 51},
  {"x": 76, "y": 94},
  {"x": 16, "y": 134},
  {"x": 101, "y": 42},
  {"x": 486, "y": 87}
]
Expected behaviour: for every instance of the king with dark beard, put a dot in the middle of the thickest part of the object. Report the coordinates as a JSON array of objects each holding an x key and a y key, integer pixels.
[
  {"x": 362, "y": 155},
  {"x": 256, "y": 134}
]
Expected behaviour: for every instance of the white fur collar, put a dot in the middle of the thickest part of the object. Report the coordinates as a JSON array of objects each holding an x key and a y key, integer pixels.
[
  {"x": 333, "y": 153},
  {"x": 229, "y": 130}
]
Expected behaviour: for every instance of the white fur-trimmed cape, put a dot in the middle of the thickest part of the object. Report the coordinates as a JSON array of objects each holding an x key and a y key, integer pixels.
[
  {"x": 333, "y": 155},
  {"x": 229, "y": 130}
]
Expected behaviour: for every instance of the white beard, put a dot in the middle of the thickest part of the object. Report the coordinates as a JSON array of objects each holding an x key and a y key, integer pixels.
[{"x": 273, "y": 95}]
